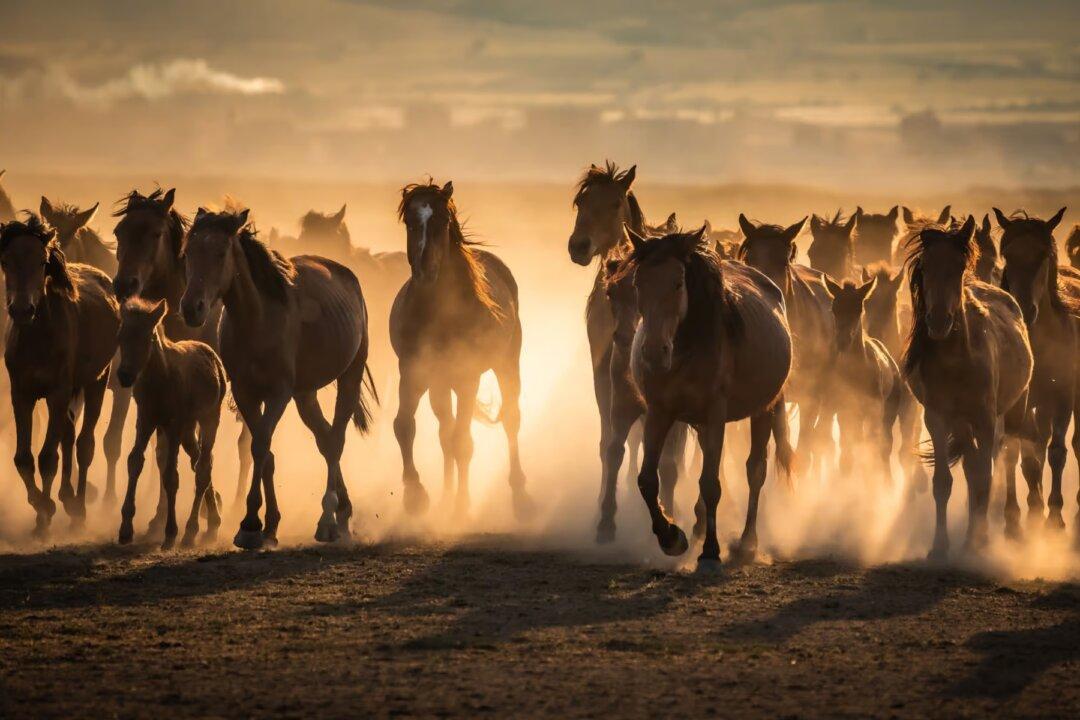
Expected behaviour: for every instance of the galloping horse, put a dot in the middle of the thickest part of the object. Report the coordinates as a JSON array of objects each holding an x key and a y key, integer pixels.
[
  {"x": 874, "y": 236},
  {"x": 986, "y": 269},
  {"x": 712, "y": 348},
  {"x": 289, "y": 328},
  {"x": 832, "y": 250},
  {"x": 968, "y": 361},
  {"x": 605, "y": 206},
  {"x": 62, "y": 338},
  {"x": 454, "y": 318},
  {"x": 1049, "y": 297}
]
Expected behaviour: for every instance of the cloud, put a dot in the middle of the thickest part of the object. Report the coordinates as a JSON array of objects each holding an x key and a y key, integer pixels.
[{"x": 162, "y": 80}]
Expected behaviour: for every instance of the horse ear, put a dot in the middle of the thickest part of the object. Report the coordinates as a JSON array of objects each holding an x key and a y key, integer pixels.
[
  {"x": 945, "y": 215},
  {"x": 46, "y": 210},
  {"x": 850, "y": 225},
  {"x": 201, "y": 212},
  {"x": 792, "y": 231},
  {"x": 87, "y": 215},
  {"x": 159, "y": 311},
  {"x": 1003, "y": 222},
  {"x": 708, "y": 228},
  {"x": 815, "y": 223},
  {"x": 986, "y": 223},
  {"x": 594, "y": 166},
  {"x": 967, "y": 230},
  {"x": 340, "y": 217},
  {"x": 865, "y": 274},
  {"x": 867, "y": 288},
  {"x": 636, "y": 240},
  {"x": 894, "y": 213},
  {"x": 746, "y": 226},
  {"x": 1054, "y": 221},
  {"x": 447, "y": 190},
  {"x": 671, "y": 221},
  {"x": 832, "y": 285},
  {"x": 627, "y": 178},
  {"x": 168, "y": 199},
  {"x": 2, "y": 173},
  {"x": 909, "y": 217},
  {"x": 859, "y": 211},
  {"x": 242, "y": 217}
]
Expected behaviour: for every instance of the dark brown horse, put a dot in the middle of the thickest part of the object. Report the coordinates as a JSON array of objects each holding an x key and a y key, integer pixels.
[
  {"x": 62, "y": 338},
  {"x": 455, "y": 318},
  {"x": 832, "y": 250},
  {"x": 771, "y": 249},
  {"x": 865, "y": 382},
  {"x": 875, "y": 235},
  {"x": 712, "y": 348},
  {"x": 986, "y": 269},
  {"x": 968, "y": 361},
  {"x": 289, "y": 328},
  {"x": 1072, "y": 247},
  {"x": 605, "y": 205},
  {"x": 80, "y": 243},
  {"x": 7, "y": 208},
  {"x": 1050, "y": 301},
  {"x": 178, "y": 389}
]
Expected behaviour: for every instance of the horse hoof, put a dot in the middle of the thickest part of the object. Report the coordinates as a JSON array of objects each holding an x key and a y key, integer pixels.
[
  {"x": 126, "y": 536},
  {"x": 708, "y": 565},
  {"x": 269, "y": 540},
  {"x": 40, "y": 532},
  {"x": 188, "y": 541},
  {"x": 744, "y": 553},
  {"x": 248, "y": 539},
  {"x": 673, "y": 542},
  {"x": 605, "y": 533},
  {"x": 416, "y": 499},
  {"x": 1054, "y": 522},
  {"x": 326, "y": 532},
  {"x": 209, "y": 537},
  {"x": 524, "y": 507},
  {"x": 938, "y": 554},
  {"x": 1013, "y": 532},
  {"x": 168, "y": 542}
]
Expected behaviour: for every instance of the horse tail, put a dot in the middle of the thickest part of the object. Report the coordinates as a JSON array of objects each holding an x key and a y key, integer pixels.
[
  {"x": 486, "y": 412},
  {"x": 955, "y": 447},
  {"x": 785, "y": 457},
  {"x": 362, "y": 414}
]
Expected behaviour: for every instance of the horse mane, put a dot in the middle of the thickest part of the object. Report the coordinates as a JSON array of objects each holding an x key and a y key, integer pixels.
[
  {"x": 460, "y": 243},
  {"x": 918, "y": 339},
  {"x": 271, "y": 272},
  {"x": 178, "y": 224},
  {"x": 711, "y": 311},
  {"x": 1058, "y": 302},
  {"x": 608, "y": 174},
  {"x": 57, "y": 277}
]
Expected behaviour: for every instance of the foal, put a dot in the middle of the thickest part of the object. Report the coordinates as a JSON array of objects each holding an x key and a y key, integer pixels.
[
  {"x": 178, "y": 389},
  {"x": 968, "y": 361},
  {"x": 865, "y": 382},
  {"x": 62, "y": 338}
]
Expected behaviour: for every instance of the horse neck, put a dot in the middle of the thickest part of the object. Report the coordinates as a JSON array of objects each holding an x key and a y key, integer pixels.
[
  {"x": 243, "y": 300},
  {"x": 168, "y": 276},
  {"x": 157, "y": 365}
]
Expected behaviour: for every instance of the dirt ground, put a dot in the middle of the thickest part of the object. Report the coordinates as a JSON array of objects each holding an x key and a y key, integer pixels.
[{"x": 489, "y": 626}]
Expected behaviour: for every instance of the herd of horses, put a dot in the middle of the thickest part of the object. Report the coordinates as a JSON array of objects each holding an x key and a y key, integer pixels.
[{"x": 899, "y": 322}]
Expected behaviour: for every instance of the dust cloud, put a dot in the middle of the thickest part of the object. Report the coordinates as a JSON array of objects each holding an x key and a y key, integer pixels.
[{"x": 860, "y": 518}]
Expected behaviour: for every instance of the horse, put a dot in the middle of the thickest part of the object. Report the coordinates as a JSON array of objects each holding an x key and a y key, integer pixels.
[
  {"x": 874, "y": 236},
  {"x": 178, "y": 390},
  {"x": 7, "y": 208},
  {"x": 80, "y": 243},
  {"x": 865, "y": 381},
  {"x": 882, "y": 322},
  {"x": 456, "y": 317},
  {"x": 288, "y": 328},
  {"x": 832, "y": 250},
  {"x": 605, "y": 204},
  {"x": 668, "y": 226},
  {"x": 61, "y": 341},
  {"x": 1049, "y": 297},
  {"x": 1072, "y": 247},
  {"x": 771, "y": 249},
  {"x": 712, "y": 347},
  {"x": 968, "y": 361},
  {"x": 986, "y": 269},
  {"x": 150, "y": 264}
]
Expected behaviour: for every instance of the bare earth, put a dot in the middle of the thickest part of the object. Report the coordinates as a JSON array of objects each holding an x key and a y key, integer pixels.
[{"x": 486, "y": 626}]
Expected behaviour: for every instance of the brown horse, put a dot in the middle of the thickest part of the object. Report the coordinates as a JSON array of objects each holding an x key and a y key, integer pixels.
[
  {"x": 1050, "y": 301},
  {"x": 865, "y": 382},
  {"x": 1072, "y": 247},
  {"x": 455, "y": 318},
  {"x": 62, "y": 338},
  {"x": 832, "y": 250},
  {"x": 968, "y": 361},
  {"x": 80, "y": 243},
  {"x": 7, "y": 208},
  {"x": 605, "y": 205},
  {"x": 712, "y": 348},
  {"x": 875, "y": 235},
  {"x": 289, "y": 328},
  {"x": 771, "y": 249},
  {"x": 178, "y": 389},
  {"x": 986, "y": 269}
]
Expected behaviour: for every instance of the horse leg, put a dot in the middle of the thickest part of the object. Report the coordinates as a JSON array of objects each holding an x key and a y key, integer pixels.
[
  {"x": 23, "y": 410},
  {"x": 633, "y": 451},
  {"x": 671, "y": 465},
  {"x": 1076, "y": 448},
  {"x": 625, "y": 411},
  {"x": 208, "y": 428},
  {"x": 114, "y": 434},
  {"x": 84, "y": 446},
  {"x": 243, "y": 450},
  {"x": 711, "y": 437},
  {"x": 442, "y": 404},
  {"x": 273, "y": 409},
  {"x": 190, "y": 444},
  {"x": 463, "y": 441},
  {"x": 410, "y": 390},
  {"x": 508, "y": 374},
  {"x": 135, "y": 461},
  {"x": 349, "y": 396},
  {"x": 910, "y": 430},
  {"x": 60, "y": 431},
  {"x": 938, "y": 428},
  {"x": 1057, "y": 455},
  {"x": 671, "y": 538},
  {"x": 66, "y": 493},
  {"x": 757, "y": 466},
  {"x": 1032, "y": 459},
  {"x": 978, "y": 467},
  {"x": 250, "y": 535},
  {"x": 1008, "y": 457},
  {"x": 170, "y": 479},
  {"x": 847, "y": 421}
]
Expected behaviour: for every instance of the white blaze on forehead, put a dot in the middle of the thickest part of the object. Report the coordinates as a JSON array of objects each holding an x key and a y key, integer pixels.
[{"x": 423, "y": 214}]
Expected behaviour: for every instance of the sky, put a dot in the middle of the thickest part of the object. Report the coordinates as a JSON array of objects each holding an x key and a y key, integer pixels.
[{"x": 287, "y": 71}]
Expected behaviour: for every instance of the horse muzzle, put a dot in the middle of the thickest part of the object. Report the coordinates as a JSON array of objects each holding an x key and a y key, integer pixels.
[
  {"x": 194, "y": 312},
  {"x": 580, "y": 250},
  {"x": 939, "y": 327},
  {"x": 126, "y": 287},
  {"x": 126, "y": 377},
  {"x": 22, "y": 313}
]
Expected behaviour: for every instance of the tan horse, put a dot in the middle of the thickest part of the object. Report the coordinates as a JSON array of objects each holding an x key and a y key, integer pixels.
[
  {"x": 832, "y": 250},
  {"x": 289, "y": 328},
  {"x": 62, "y": 338},
  {"x": 178, "y": 389},
  {"x": 455, "y": 318},
  {"x": 712, "y": 348},
  {"x": 969, "y": 363}
]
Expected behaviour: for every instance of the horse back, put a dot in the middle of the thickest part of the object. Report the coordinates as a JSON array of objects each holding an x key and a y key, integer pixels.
[
  {"x": 999, "y": 336},
  {"x": 333, "y": 320},
  {"x": 98, "y": 320}
]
